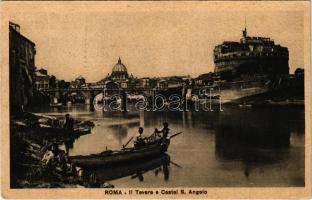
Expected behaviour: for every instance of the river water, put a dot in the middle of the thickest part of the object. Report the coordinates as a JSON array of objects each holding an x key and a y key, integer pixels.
[{"x": 230, "y": 148}]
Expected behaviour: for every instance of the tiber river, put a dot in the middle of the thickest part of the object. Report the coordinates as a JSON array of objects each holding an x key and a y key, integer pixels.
[{"x": 231, "y": 148}]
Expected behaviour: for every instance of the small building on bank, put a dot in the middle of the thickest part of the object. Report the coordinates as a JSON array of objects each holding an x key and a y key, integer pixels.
[
  {"x": 22, "y": 53},
  {"x": 42, "y": 79}
]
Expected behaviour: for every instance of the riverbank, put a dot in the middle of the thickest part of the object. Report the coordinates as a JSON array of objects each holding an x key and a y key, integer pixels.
[
  {"x": 283, "y": 97},
  {"x": 36, "y": 159}
]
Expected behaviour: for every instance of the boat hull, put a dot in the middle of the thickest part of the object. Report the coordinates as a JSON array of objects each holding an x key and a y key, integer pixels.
[
  {"x": 107, "y": 158},
  {"x": 132, "y": 169}
]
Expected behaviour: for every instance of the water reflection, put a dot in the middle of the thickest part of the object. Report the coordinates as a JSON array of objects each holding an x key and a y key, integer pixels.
[
  {"x": 233, "y": 143},
  {"x": 134, "y": 170},
  {"x": 246, "y": 136},
  {"x": 255, "y": 139},
  {"x": 119, "y": 132},
  {"x": 69, "y": 144},
  {"x": 115, "y": 114},
  {"x": 235, "y": 147}
]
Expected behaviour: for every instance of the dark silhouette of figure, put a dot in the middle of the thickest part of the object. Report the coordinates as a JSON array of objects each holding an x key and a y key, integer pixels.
[
  {"x": 140, "y": 141},
  {"x": 164, "y": 130},
  {"x": 166, "y": 171},
  {"x": 69, "y": 123}
]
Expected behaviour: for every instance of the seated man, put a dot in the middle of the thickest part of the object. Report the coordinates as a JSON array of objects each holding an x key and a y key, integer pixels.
[{"x": 140, "y": 141}]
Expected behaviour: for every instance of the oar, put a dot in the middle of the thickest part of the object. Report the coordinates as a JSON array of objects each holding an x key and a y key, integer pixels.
[
  {"x": 152, "y": 134},
  {"x": 175, "y": 135},
  {"x": 124, "y": 146},
  {"x": 175, "y": 164}
]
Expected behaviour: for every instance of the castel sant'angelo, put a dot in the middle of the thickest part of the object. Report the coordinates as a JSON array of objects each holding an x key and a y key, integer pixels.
[{"x": 252, "y": 55}]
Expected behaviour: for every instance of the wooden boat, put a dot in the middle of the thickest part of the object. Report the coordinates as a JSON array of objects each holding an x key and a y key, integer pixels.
[
  {"x": 245, "y": 105},
  {"x": 109, "y": 157},
  {"x": 286, "y": 103},
  {"x": 62, "y": 131},
  {"x": 52, "y": 131},
  {"x": 133, "y": 169},
  {"x": 56, "y": 105}
]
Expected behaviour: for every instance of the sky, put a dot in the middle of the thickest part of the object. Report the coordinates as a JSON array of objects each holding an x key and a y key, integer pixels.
[{"x": 151, "y": 41}]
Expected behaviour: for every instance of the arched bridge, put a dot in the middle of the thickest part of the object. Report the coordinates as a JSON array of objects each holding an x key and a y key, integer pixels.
[
  {"x": 87, "y": 95},
  {"x": 69, "y": 94}
]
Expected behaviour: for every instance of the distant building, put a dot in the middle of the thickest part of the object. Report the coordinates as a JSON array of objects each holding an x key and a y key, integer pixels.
[
  {"x": 171, "y": 82},
  {"x": 252, "y": 55},
  {"x": 119, "y": 77},
  {"x": 123, "y": 84},
  {"x": 204, "y": 79},
  {"x": 162, "y": 84},
  {"x": 42, "y": 79},
  {"x": 119, "y": 72},
  {"x": 144, "y": 83},
  {"x": 123, "y": 80},
  {"x": 111, "y": 87},
  {"x": 78, "y": 82},
  {"x": 22, "y": 53}
]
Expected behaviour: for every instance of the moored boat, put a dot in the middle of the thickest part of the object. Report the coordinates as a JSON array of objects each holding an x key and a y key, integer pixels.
[
  {"x": 245, "y": 105},
  {"x": 62, "y": 131},
  {"x": 53, "y": 131},
  {"x": 56, "y": 105}
]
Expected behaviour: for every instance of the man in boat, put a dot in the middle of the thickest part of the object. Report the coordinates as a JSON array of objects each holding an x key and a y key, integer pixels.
[
  {"x": 140, "y": 141},
  {"x": 69, "y": 123},
  {"x": 164, "y": 131}
]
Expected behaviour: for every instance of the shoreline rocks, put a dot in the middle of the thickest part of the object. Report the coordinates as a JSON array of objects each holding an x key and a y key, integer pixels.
[{"x": 36, "y": 161}]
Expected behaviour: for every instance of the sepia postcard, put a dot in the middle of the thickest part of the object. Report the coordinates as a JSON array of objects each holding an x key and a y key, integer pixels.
[{"x": 155, "y": 99}]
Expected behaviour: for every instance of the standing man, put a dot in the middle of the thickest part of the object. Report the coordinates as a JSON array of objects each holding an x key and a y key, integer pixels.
[
  {"x": 69, "y": 123},
  {"x": 164, "y": 131}
]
